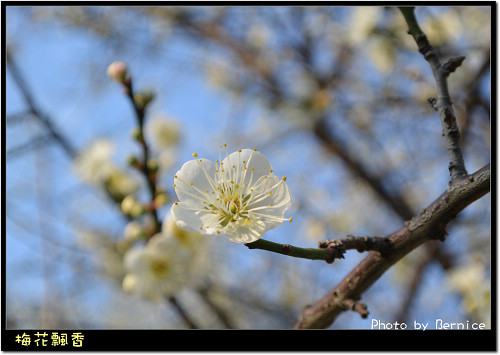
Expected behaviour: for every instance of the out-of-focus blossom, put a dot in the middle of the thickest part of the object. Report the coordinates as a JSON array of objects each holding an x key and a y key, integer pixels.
[
  {"x": 157, "y": 270},
  {"x": 165, "y": 132},
  {"x": 471, "y": 282},
  {"x": 94, "y": 164}
]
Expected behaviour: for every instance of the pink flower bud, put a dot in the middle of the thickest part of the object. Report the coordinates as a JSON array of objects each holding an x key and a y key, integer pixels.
[{"x": 118, "y": 71}]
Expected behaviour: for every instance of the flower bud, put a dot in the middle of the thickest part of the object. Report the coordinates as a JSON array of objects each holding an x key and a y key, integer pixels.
[
  {"x": 160, "y": 200},
  {"x": 153, "y": 165},
  {"x": 128, "y": 204},
  {"x": 132, "y": 160},
  {"x": 118, "y": 72},
  {"x": 133, "y": 231},
  {"x": 143, "y": 98},
  {"x": 131, "y": 207},
  {"x": 136, "y": 134}
]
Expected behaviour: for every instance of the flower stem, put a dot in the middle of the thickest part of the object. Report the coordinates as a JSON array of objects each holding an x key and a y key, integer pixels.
[
  {"x": 148, "y": 174},
  {"x": 305, "y": 253}
]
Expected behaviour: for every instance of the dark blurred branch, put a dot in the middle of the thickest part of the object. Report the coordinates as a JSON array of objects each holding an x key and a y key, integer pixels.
[
  {"x": 416, "y": 279},
  {"x": 443, "y": 104},
  {"x": 17, "y": 117},
  {"x": 472, "y": 98},
  {"x": 221, "y": 313},
  {"x": 182, "y": 313},
  {"x": 428, "y": 225},
  {"x": 398, "y": 205},
  {"x": 35, "y": 142},
  {"x": 44, "y": 119}
]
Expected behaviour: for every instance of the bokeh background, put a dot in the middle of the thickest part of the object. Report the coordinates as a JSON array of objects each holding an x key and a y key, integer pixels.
[{"x": 335, "y": 97}]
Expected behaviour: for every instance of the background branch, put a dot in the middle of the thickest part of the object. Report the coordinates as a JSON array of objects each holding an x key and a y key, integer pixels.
[{"x": 35, "y": 111}]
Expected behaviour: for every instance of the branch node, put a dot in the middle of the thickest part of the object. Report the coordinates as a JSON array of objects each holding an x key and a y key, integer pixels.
[
  {"x": 433, "y": 102},
  {"x": 287, "y": 248},
  {"x": 361, "y": 308},
  {"x": 336, "y": 250},
  {"x": 452, "y": 64}
]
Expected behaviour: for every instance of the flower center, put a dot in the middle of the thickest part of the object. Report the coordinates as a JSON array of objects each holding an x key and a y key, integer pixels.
[
  {"x": 234, "y": 204},
  {"x": 160, "y": 268}
]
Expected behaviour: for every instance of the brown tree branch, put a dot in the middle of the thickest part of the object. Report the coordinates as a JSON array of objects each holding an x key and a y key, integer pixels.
[
  {"x": 361, "y": 244},
  {"x": 428, "y": 225}
]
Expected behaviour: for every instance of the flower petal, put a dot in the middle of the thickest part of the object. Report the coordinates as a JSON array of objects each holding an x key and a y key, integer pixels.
[
  {"x": 246, "y": 234},
  {"x": 187, "y": 219},
  {"x": 195, "y": 175},
  {"x": 256, "y": 163}
]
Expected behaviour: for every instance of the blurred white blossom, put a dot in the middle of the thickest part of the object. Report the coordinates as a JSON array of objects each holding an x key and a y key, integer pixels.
[
  {"x": 258, "y": 36},
  {"x": 164, "y": 131},
  {"x": 156, "y": 270},
  {"x": 363, "y": 21},
  {"x": 133, "y": 230},
  {"x": 94, "y": 164},
  {"x": 471, "y": 282},
  {"x": 196, "y": 246}
]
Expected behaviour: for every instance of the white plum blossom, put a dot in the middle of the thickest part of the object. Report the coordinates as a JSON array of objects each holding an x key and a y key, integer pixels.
[
  {"x": 156, "y": 270},
  {"x": 239, "y": 197}
]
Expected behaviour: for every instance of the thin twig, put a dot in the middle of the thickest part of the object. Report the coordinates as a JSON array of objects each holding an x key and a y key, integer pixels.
[{"x": 442, "y": 104}]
